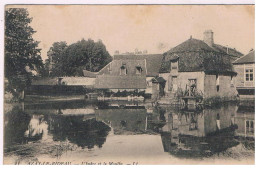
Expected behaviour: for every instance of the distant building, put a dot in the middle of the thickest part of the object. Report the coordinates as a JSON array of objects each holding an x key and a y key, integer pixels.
[
  {"x": 197, "y": 66},
  {"x": 60, "y": 85},
  {"x": 130, "y": 72},
  {"x": 245, "y": 79},
  {"x": 116, "y": 52}
]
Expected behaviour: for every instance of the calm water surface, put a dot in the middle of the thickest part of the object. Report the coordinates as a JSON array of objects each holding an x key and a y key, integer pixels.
[{"x": 127, "y": 133}]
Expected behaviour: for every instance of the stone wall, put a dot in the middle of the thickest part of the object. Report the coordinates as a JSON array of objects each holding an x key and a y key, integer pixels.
[
  {"x": 206, "y": 84},
  {"x": 226, "y": 87},
  {"x": 183, "y": 79}
]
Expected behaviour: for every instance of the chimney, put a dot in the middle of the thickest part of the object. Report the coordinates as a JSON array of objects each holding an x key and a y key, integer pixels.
[
  {"x": 227, "y": 49},
  {"x": 208, "y": 37}
]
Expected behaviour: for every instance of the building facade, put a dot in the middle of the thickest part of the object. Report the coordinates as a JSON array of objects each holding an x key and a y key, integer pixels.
[
  {"x": 197, "y": 67},
  {"x": 245, "y": 79}
]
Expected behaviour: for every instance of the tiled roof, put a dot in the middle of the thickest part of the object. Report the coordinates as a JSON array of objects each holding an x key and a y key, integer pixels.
[
  {"x": 249, "y": 58},
  {"x": 191, "y": 45},
  {"x": 104, "y": 70},
  {"x": 153, "y": 62},
  {"x": 120, "y": 82},
  {"x": 230, "y": 51},
  {"x": 89, "y": 74},
  {"x": 196, "y": 55},
  {"x": 129, "y": 65}
]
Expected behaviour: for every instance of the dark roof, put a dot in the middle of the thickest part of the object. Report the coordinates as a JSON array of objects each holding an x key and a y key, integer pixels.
[
  {"x": 89, "y": 74},
  {"x": 129, "y": 65},
  {"x": 159, "y": 80},
  {"x": 249, "y": 58},
  {"x": 153, "y": 62},
  {"x": 191, "y": 45},
  {"x": 230, "y": 51},
  {"x": 45, "y": 81},
  {"x": 120, "y": 82},
  {"x": 196, "y": 55}
]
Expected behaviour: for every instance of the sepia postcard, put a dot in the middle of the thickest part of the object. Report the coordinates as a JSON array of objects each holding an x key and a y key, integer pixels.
[{"x": 129, "y": 84}]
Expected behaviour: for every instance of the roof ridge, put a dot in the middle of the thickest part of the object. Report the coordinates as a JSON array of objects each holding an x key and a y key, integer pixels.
[
  {"x": 136, "y": 54},
  {"x": 230, "y": 48}
]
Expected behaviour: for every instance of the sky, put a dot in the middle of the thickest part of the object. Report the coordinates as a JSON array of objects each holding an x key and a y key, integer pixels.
[{"x": 155, "y": 28}]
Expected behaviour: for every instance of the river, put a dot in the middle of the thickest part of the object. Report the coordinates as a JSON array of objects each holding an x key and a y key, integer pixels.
[{"x": 83, "y": 132}]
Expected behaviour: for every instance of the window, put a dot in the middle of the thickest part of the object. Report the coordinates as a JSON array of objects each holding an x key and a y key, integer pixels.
[
  {"x": 217, "y": 82},
  {"x": 231, "y": 82},
  {"x": 249, "y": 126},
  {"x": 174, "y": 65},
  {"x": 123, "y": 70},
  {"x": 249, "y": 75},
  {"x": 59, "y": 80},
  {"x": 170, "y": 83},
  {"x": 193, "y": 86},
  {"x": 138, "y": 70}
]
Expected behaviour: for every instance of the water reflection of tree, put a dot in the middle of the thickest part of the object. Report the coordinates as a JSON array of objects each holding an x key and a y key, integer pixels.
[
  {"x": 84, "y": 133},
  {"x": 18, "y": 122}
]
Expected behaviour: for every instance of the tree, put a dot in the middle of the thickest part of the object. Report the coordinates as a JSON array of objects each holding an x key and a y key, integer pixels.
[
  {"x": 71, "y": 60},
  {"x": 55, "y": 56},
  {"x": 22, "y": 55}
]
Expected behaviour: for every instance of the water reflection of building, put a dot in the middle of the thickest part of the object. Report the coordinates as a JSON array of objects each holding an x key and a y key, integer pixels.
[
  {"x": 121, "y": 105},
  {"x": 245, "y": 120},
  {"x": 65, "y": 108},
  {"x": 199, "y": 122},
  {"x": 200, "y": 133},
  {"x": 129, "y": 121},
  {"x": 184, "y": 133}
]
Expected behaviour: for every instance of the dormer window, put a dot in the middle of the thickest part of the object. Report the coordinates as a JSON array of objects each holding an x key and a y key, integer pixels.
[
  {"x": 174, "y": 66},
  {"x": 138, "y": 70},
  {"x": 123, "y": 70}
]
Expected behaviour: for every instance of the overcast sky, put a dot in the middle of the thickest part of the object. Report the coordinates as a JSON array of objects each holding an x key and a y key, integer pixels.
[{"x": 155, "y": 28}]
